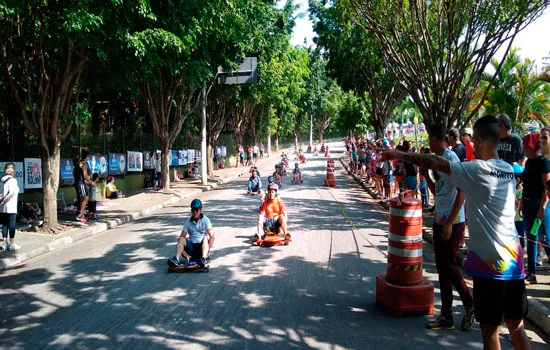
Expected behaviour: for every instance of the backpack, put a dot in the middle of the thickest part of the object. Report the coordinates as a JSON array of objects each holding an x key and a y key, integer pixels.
[{"x": 2, "y": 183}]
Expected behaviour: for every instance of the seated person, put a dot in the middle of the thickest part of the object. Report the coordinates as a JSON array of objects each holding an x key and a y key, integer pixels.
[
  {"x": 196, "y": 238},
  {"x": 111, "y": 190},
  {"x": 284, "y": 159},
  {"x": 303, "y": 159},
  {"x": 296, "y": 173},
  {"x": 272, "y": 214},
  {"x": 254, "y": 183},
  {"x": 277, "y": 178},
  {"x": 254, "y": 168}
]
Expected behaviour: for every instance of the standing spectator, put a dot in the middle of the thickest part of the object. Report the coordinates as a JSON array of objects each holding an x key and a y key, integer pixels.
[
  {"x": 495, "y": 257},
  {"x": 510, "y": 149},
  {"x": 261, "y": 150},
  {"x": 79, "y": 175},
  {"x": 158, "y": 170},
  {"x": 411, "y": 180},
  {"x": 448, "y": 232},
  {"x": 534, "y": 199},
  {"x": 520, "y": 228},
  {"x": 249, "y": 155},
  {"x": 217, "y": 154},
  {"x": 457, "y": 146},
  {"x": 255, "y": 151},
  {"x": 241, "y": 154},
  {"x": 8, "y": 207},
  {"x": 92, "y": 203},
  {"x": 468, "y": 144},
  {"x": 153, "y": 158},
  {"x": 424, "y": 185}
]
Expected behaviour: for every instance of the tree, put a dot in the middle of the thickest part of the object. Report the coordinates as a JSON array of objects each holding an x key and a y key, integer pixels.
[
  {"x": 330, "y": 108},
  {"x": 176, "y": 54},
  {"x": 441, "y": 48},
  {"x": 356, "y": 62},
  {"x": 45, "y": 51}
]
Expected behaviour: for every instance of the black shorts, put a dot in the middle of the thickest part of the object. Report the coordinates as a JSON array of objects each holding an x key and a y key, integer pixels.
[
  {"x": 194, "y": 250},
  {"x": 81, "y": 190},
  {"x": 495, "y": 299}
]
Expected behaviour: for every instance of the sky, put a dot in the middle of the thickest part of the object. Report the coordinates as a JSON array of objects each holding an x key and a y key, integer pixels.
[{"x": 533, "y": 41}]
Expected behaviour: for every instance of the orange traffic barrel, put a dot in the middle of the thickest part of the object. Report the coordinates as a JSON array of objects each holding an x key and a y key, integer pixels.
[{"x": 405, "y": 242}]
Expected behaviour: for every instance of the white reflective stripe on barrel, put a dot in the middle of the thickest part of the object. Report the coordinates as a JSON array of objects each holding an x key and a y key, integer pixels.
[
  {"x": 400, "y": 238},
  {"x": 406, "y": 213},
  {"x": 405, "y": 253}
]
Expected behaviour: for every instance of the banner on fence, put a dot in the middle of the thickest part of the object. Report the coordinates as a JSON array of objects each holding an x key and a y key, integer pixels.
[
  {"x": 173, "y": 158},
  {"x": 66, "y": 172},
  {"x": 148, "y": 161},
  {"x": 97, "y": 164},
  {"x": 33, "y": 172},
  {"x": 190, "y": 156},
  {"x": 224, "y": 151},
  {"x": 19, "y": 170},
  {"x": 117, "y": 164},
  {"x": 135, "y": 161}
]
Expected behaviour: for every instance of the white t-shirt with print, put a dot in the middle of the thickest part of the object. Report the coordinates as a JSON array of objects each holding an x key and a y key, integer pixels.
[
  {"x": 10, "y": 186},
  {"x": 494, "y": 250},
  {"x": 445, "y": 193}
]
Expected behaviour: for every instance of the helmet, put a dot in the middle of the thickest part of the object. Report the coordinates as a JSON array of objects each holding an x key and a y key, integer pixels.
[
  {"x": 518, "y": 168},
  {"x": 196, "y": 204},
  {"x": 270, "y": 179},
  {"x": 272, "y": 186}
]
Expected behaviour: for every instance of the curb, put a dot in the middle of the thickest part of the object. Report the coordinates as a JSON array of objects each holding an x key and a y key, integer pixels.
[
  {"x": 109, "y": 224},
  {"x": 538, "y": 313}
]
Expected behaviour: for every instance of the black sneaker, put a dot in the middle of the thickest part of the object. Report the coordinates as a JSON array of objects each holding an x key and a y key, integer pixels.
[
  {"x": 531, "y": 279},
  {"x": 442, "y": 322},
  {"x": 174, "y": 262},
  {"x": 468, "y": 321},
  {"x": 202, "y": 263}
]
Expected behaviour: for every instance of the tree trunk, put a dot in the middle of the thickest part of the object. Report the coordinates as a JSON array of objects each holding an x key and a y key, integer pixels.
[
  {"x": 50, "y": 185},
  {"x": 165, "y": 165},
  {"x": 277, "y": 142},
  {"x": 379, "y": 131},
  {"x": 321, "y": 137},
  {"x": 296, "y": 141}
]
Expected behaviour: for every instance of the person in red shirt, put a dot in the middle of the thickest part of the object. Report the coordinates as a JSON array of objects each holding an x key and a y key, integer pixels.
[
  {"x": 466, "y": 138},
  {"x": 272, "y": 213}
]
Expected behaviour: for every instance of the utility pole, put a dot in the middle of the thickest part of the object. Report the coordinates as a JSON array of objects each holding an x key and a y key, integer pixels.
[
  {"x": 311, "y": 130},
  {"x": 204, "y": 164}
]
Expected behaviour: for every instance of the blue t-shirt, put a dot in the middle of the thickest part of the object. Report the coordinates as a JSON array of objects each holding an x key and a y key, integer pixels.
[{"x": 197, "y": 230}]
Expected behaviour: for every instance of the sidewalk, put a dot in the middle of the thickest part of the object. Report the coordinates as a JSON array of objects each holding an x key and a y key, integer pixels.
[
  {"x": 116, "y": 212},
  {"x": 538, "y": 295}
]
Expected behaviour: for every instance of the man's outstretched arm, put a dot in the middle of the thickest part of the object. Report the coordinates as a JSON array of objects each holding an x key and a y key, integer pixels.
[{"x": 426, "y": 161}]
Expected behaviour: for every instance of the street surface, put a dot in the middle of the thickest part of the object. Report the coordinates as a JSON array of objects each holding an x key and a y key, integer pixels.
[{"x": 112, "y": 291}]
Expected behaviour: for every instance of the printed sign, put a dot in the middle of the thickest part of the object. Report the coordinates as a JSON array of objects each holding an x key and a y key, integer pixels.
[
  {"x": 66, "y": 172},
  {"x": 33, "y": 173},
  {"x": 19, "y": 170},
  {"x": 198, "y": 155},
  {"x": 224, "y": 151},
  {"x": 117, "y": 164},
  {"x": 97, "y": 164},
  {"x": 182, "y": 157},
  {"x": 135, "y": 161},
  {"x": 190, "y": 156},
  {"x": 148, "y": 161}
]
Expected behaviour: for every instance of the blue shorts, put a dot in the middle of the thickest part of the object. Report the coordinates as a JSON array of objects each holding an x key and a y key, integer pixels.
[
  {"x": 194, "y": 250},
  {"x": 272, "y": 222},
  {"x": 411, "y": 182}
]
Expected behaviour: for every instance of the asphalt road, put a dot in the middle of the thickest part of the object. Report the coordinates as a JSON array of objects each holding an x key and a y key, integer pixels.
[{"x": 112, "y": 291}]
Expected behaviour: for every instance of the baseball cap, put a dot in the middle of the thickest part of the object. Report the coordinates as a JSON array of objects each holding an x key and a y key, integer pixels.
[{"x": 467, "y": 131}]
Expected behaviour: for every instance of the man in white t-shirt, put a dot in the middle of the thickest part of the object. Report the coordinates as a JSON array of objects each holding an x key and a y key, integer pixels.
[
  {"x": 448, "y": 233},
  {"x": 495, "y": 257},
  {"x": 8, "y": 207}
]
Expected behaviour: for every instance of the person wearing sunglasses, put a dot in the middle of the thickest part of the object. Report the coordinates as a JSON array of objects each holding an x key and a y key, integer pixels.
[{"x": 196, "y": 238}]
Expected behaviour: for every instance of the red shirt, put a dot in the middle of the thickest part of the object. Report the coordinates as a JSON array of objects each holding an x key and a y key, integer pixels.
[{"x": 470, "y": 157}]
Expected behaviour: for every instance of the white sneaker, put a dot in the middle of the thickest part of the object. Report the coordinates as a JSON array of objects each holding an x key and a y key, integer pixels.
[
  {"x": 4, "y": 246},
  {"x": 14, "y": 246}
]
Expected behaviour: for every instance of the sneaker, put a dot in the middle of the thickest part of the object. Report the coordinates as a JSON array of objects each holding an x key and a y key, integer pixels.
[
  {"x": 95, "y": 218},
  {"x": 81, "y": 219},
  {"x": 202, "y": 263},
  {"x": 468, "y": 321},
  {"x": 441, "y": 322},
  {"x": 288, "y": 237},
  {"x": 256, "y": 238},
  {"x": 13, "y": 246},
  {"x": 531, "y": 278},
  {"x": 4, "y": 246},
  {"x": 173, "y": 262},
  {"x": 539, "y": 261}
]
